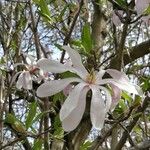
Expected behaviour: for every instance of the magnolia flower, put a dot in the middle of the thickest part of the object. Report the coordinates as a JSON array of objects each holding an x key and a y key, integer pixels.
[
  {"x": 25, "y": 77},
  {"x": 24, "y": 80},
  {"x": 74, "y": 106},
  {"x": 116, "y": 95}
]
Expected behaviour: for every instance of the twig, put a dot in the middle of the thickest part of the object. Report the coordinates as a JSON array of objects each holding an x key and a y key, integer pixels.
[
  {"x": 68, "y": 36},
  {"x": 132, "y": 123},
  {"x": 35, "y": 33}
]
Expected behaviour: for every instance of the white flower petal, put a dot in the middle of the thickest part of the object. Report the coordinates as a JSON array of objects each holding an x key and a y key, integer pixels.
[
  {"x": 73, "y": 119},
  {"x": 72, "y": 101},
  {"x": 126, "y": 86},
  {"x": 67, "y": 89},
  {"x": 24, "y": 80},
  {"x": 121, "y": 85},
  {"x": 53, "y": 66},
  {"x": 52, "y": 87},
  {"x": 76, "y": 61},
  {"x": 115, "y": 74},
  {"x": 27, "y": 80},
  {"x": 108, "y": 98},
  {"x": 19, "y": 83},
  {"x": 116, "y": 95},
  {"x": 98, "y": 110}
]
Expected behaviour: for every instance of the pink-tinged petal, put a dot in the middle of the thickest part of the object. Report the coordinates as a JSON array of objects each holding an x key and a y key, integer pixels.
[
  {"x": 76, "y": 61},
  {"x": 14, "y": 78},
  {"x": 141, "y": 5},
  {"x": 108, "y": 100},
  {"x": 52, "y": 87},
  {"x": 115, "y": 74},
  {"x": 72, "y": 101},
  {"x": 121, "y": 85},
  {"x": 68, "y": 89},
  {"x": 116, "y": 95},
  {"x": 53, "y": 66},
  {"x": 99, "y": 75},
  {"x": 98, "y": 110},
  {"x": 74, "y": 117},
  {"x": 126, "y": 86},
  {"x": 27, "y": 80},
  {"x": 24, "y": 80}
]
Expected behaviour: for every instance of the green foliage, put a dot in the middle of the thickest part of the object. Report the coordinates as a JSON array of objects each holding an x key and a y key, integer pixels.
[
  {"x": 86, "y": 145},
  {"x": 58, "y": 97},
  {"x": 31, "y": 114},
  {"x": 122, "y": 105},
  {"x": 59, "y": 132},
  {"x": 44, "y": 10},
  {"x": 15, "y": 123},
  {"x": 147, "y": 11},
  {"x": 39, "y": 116},
  {"x": 137, "y": 101},
  {"x": 57, "y": 122},
  {"x": 121, "y": 3},
  {"x": 37, "y": 144},
  {"x": 59, "y": 17},
  {"x": 86, "y": 38},
  {"x": 145, "y": 83},
  {"x": 127, "y": 97}
]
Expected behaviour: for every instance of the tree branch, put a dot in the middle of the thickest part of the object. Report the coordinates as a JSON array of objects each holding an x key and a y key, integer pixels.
[
  {"x": 137, "y": 52},
  {"x": 132, "y": 123},
  {"x": 68, "y": 36}
]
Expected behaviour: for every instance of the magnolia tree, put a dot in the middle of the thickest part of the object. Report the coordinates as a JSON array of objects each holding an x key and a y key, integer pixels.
[{"x": 74, "y": 75}]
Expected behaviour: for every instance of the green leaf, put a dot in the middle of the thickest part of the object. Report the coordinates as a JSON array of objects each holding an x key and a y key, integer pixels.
[
  {"x": 57, "y": 122},
  {"x": 58, "y": 97},
  {"x": 145, "y": 83},
  {"x": 59, "y": 133},
  {"x": 86, "y": 38},
  {"x": 10, "y": 119},
  {"x": 37, "y": 144},
  {"x": 137, "y": 101},
  {"x": 86, "y": 145},
  {"x": 40, "y": 115},
  {"x": 44, "y": 10},
  {"x": 31, "y": 114},
  {"x": 16, "y": 124},
  {"x": 122, "y": 105},
  {"x": 147, "y": 11},
  {"x": 121, "y": 3},
  {"x": 127, "y": 97},
  {"x": 76, "y": 43}
]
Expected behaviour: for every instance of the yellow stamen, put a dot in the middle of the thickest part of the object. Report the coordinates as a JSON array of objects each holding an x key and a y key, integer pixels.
[{"x": 91, "y": 78}]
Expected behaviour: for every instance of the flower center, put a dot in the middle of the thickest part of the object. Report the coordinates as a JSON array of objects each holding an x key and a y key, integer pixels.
[{"x": 90, "y": 79}]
